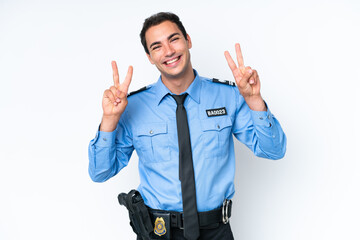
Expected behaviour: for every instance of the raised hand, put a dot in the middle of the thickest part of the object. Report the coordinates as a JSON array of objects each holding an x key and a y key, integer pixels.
[
  {"x": 114, "y": 99},
  {"x": 247, "y": 80}
]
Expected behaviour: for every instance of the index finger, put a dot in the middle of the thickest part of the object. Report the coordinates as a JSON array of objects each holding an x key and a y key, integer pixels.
[
  {"x": 239, "y": 55},
  {"x": 124, "y": 87},
  {"x": 232, "y": 66},
  {"x": 115, "y": 74}
]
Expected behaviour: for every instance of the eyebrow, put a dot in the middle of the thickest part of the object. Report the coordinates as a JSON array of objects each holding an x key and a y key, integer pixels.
[{"x": 169, "y": 37}]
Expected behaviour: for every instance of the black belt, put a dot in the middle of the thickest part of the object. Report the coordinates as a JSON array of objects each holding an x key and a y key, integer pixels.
[{"x": 206, "y": 219}]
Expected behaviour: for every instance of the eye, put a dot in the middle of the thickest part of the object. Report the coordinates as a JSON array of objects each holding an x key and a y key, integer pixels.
[
  {"x": 156, "y": 47},
  {"x": 174, "y": 39}
]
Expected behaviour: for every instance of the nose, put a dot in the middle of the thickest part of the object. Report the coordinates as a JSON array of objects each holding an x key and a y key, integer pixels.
[{"x": 169, "y": 50}]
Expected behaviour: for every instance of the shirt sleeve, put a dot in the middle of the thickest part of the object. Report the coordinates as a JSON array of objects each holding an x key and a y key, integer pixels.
[
  {"x": 109, "y": 152},
  {"x": 259, "y": 130}
]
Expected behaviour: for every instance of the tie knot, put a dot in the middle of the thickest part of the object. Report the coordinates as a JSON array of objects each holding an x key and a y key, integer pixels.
[{"x": 180, "y": 99}]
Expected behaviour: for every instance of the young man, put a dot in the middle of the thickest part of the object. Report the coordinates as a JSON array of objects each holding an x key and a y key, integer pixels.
[{"x": 181, "y": 128}]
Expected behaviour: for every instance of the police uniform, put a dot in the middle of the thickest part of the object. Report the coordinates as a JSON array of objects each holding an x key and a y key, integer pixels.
[{"x": 215, "y": 111}]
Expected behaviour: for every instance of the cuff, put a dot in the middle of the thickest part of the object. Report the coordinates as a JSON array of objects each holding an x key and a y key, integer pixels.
[
  {"x": 105, "y": 139},
  {"x": 262, "y": 118}
]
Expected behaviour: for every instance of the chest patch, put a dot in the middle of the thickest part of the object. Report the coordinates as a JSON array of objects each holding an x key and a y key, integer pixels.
[{"x": 216, "y": 112}]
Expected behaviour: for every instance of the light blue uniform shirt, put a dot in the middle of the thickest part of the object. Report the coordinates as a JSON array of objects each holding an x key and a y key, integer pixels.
[{"x": 148, "y": 125}]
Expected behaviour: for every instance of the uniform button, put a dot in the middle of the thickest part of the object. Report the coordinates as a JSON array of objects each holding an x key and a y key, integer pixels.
[
  {"x": 261, "y": 118},
  {"x": 268, "y": 116},
  {"x": 151, "y": 132},
  {"x": 104, "y": 139},
  {"x": 273, "y": 136},
  {"x": 218, "y": 126}
]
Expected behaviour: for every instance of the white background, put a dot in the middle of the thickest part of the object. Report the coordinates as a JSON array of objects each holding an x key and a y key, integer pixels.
[{"x": 55, "y": 64}]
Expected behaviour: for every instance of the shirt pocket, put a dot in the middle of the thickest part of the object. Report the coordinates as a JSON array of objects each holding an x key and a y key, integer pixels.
[
  {"x": 216, "y": 134},
  {"x": 152, "y": 143}
]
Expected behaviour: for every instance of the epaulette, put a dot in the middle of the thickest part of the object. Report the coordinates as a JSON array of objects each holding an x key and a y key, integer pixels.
[
  {"x": 226, "y": 82},
  {"x": 137, "y": 91}
]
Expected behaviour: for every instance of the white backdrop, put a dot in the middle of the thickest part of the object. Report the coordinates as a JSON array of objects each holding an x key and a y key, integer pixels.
[{"x": 55, "y": 64}]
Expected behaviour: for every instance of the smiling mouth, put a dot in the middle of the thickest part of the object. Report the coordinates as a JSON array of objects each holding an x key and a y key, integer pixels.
[{"x": 172, "y": 60}]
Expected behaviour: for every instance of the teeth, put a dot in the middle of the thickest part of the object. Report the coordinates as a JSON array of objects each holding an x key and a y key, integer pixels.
[{"x": 171, "y": 61}]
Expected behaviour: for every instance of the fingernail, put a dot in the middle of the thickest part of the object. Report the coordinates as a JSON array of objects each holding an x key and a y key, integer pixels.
[
  {"x": 118, "y": 100},
  {"x": 251, "y": 81},
  {"x": 250, "y": 70}
]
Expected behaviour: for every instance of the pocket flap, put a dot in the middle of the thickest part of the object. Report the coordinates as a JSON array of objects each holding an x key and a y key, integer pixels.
[
  {"x": 216, "y": 124},
  {"x": 152, "y": 129}
]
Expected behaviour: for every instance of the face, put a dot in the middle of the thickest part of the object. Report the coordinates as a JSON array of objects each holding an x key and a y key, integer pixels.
[{"x": 169, "y": 50}]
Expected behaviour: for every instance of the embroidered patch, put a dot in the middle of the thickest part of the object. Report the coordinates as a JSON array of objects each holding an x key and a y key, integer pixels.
[
  {"x": 159, "y": 228},
  {"x": 216, "y": 112}
]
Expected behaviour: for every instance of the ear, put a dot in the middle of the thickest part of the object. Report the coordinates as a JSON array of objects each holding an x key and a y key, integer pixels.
[
  {"x": 189, "y": 41},
  {"x": 149, "y": 57}
]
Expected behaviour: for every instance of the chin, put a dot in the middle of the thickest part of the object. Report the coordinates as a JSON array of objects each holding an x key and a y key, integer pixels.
[{"x": 174, "y": 74}]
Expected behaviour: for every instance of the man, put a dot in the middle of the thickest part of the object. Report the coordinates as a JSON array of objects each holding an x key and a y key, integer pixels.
[{"x": 185, "y": 147}]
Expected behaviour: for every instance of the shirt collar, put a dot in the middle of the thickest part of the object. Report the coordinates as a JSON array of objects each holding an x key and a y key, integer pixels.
[{"x": 193, "y": 90}]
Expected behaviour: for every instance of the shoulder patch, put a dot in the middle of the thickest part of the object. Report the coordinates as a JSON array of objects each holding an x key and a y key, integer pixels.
[
  {"x": 137, "y": 91},
  {"x": 226, "y": 82}
]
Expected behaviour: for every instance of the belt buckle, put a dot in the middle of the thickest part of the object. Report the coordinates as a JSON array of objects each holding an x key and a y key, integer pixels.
[
  {"x": 225, "y": 211},
  {"x": 181, "y": 220}
]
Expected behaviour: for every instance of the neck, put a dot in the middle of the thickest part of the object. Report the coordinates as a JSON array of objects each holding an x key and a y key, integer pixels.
[{"x": 179, "y": 84}]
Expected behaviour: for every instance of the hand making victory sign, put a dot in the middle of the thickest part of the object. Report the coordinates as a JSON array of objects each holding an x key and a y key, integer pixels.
[
  {"x": 114, "y": 100},
  {"x": 247, "y": 80}
]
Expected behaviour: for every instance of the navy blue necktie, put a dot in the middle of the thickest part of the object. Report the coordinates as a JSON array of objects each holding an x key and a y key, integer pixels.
[{"x": 186, "y": 171}]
